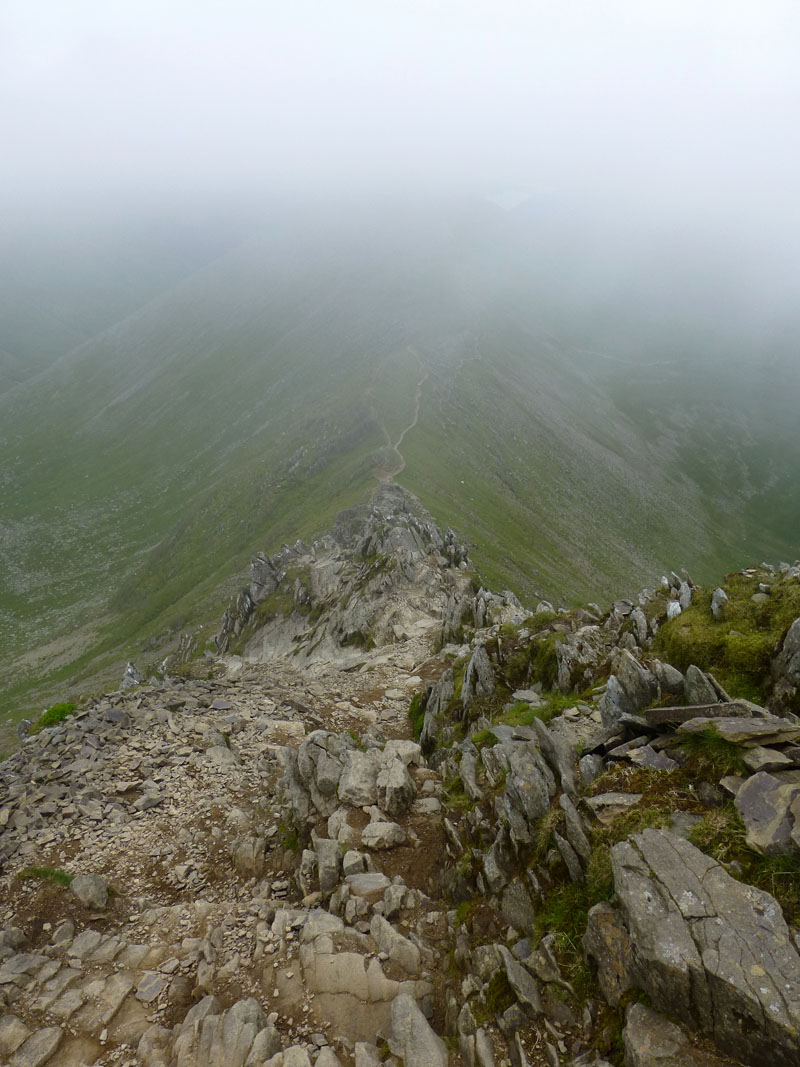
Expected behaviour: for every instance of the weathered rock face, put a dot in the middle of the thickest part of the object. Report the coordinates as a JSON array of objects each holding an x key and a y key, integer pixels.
[
  {"x": 530, "y": 785},
  {"x": 329, "y": 774},
  {"x": 708, "y": 949},
  {"x": 786, "y": 670},
  {"x": 669, "y": 678},
  {"x": 579, "y": 652},
  {"x": 131, "y": 677},
  {"x": 607, "y": 944},
  {"x": 698, "y": 687},
  {"x": 439, "y": 696},
  {"x": 314, "y": 772},
  {"x": 719, "y": 600},
  {"x": 740, "y": 729},
  {"x": 650, "y": 1040},
  {"x": 91, "y": 890},
  {"x": 412, "y": 1038}
]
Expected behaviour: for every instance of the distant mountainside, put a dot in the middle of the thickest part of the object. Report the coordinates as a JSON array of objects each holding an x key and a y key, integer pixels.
[
  {"x": 61, "y": 283},
  {"x": 242, "y": 393}
]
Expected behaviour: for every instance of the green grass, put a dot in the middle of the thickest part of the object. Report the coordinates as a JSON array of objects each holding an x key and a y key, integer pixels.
[
  {"x": 247, "y": 407},
  {"x": 289, "y": 838},
  {"x": 463, "y": 910},
  {"x": 47, "y": 874},
  {"x": 534, "y": 624},
  {"x": 454, "y": 796},
  {"x": 416, "y": 713},
  {"x": 523, "y": 714},
  {"x": 499, "y": 996},
  {"x": 713, "y": 754},
  {"x": 484, "y": 739},
  {"x": 54, "y": 715}
]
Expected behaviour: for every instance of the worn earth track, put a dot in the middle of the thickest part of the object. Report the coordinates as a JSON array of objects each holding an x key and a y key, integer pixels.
[{"x": 390, "y": 473}]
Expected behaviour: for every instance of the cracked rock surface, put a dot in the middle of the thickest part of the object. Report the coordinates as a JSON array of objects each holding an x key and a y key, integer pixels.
[{"x": 709, "y": 949}]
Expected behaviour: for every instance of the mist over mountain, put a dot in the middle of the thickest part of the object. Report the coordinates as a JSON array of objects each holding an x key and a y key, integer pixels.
[
  {"x": 399, "y": 592},
  {"x": 587, "y": 404}
]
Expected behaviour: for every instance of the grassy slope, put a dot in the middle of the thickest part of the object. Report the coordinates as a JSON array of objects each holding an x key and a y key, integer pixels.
[
  {"x": 245, "y": 407},
  {"x": 61, "y": 283}
]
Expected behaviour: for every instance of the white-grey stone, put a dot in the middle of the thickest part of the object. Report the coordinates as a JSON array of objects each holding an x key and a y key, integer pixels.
[{"x": 91, "y": 890}]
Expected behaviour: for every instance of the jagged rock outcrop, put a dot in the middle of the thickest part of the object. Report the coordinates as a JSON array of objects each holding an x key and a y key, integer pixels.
[
  {"x": 650, "y": 1040},
  {"x": 131, "y": 677},
  {"x": 290, "y": 878},
  {"x": 438, "y": 697},
  {"x": 630, "y": 689},
  {"x": 478, "y": 678},
  {"x": 385, "y": 572},
  {"x": 329, "y": 772},
  {"x": 786, "y": 670}
]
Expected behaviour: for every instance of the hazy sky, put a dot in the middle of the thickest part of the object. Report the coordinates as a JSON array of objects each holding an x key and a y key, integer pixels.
[{"x": 660, "y": 105}]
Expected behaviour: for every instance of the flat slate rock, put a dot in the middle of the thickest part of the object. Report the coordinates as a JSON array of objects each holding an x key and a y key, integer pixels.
[
  {"x": 607, "y": 806},
  {"x": 749, "y": 732},
  {"x": 686, "y": 712}
]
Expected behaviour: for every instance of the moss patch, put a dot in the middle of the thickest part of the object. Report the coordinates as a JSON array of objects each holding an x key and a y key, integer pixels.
[{"x": 739, "y": 646}]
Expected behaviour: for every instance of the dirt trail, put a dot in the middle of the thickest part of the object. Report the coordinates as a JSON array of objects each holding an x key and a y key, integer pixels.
[{"x": 391, "y": 474}]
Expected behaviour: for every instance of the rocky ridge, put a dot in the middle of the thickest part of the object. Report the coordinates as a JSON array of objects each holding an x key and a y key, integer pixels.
[
  {"x": 546, "y": 842},
  {"x": 385, "y": 574}
]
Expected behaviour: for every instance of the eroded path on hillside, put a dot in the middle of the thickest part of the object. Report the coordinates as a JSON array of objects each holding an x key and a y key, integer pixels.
[
  {"x": 389, "y": 473},
  {"x": 178, "y": 798}
]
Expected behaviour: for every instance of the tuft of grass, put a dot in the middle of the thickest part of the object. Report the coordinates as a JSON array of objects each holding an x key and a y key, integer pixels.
[
  {"x": 565, "y": 913},
  {"x": 522, "y": 714},
  {"x": 484, "y": 739},
  {"x": 47, "y": 874},
  {"x": 713, "y": 754},
  {"x": 565, "y": 910},
  {"x": 54, "y": 715},
  {"x": 454, "y": 795},
  {"x": 544, "y": 661},
  {"x": 534, "y": 624},
  {"x": 499, "y": 996},
  {"x": 289, "y": 838},
  {"x": 722, "y": 835},
  {"x": 416, "y": 713},
  {"x": 463, "y": 910}
]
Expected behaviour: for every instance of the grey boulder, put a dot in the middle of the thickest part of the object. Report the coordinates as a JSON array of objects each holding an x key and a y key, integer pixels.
[
  {"x": 91, "y": 890},
  {"x": 708, "y": 949},
  {"x": 698, "y": 688},
  {"x": 769, "y": 807},
  {"x": 630, "y": 689}
]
